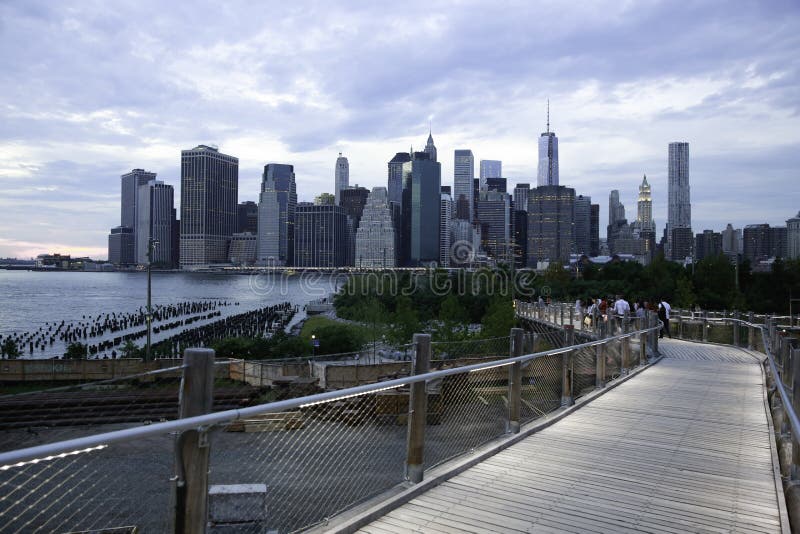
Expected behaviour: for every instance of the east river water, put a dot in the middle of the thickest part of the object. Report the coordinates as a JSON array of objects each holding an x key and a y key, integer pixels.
[{"x": 31, "y": 299}]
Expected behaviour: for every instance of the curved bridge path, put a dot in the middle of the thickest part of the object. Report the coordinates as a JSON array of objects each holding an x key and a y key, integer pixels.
[{"x": 684, "y": 446}]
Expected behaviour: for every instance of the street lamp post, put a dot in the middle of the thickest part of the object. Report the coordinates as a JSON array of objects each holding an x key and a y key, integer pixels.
[
  {"x": 151, "y": 243},
  {"x": 313, "y": 345}
]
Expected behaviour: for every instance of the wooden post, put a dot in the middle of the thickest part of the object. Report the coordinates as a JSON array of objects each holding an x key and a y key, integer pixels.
[
  {"x": 680, "y": 325},
  {"x": 196, "y": 398},
  {"x": 750, "y": 332},
  {"x": 735, "y": 328},
  {"x": 566, "y": 368},
  {"x": 571, "y": 310},
  {"x": 795, "y": 469},
  {"x": 653, "y": 334},
  {"x": 642, "y": 347},
  {"x": 417, "y": 410},
  {"x": 515, "y": 380}
]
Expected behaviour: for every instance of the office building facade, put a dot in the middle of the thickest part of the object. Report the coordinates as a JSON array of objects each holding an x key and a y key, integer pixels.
[
  {"x": 395, "y": 178},
  {"x": 463, "y": 186},
  {"x": 276, "y": 215},
  {"x": 420, "y": 211},
  {"x": 445, "y": 241},
  {"x": 129, "y": 194},
  {"x": 155, "y": 214},
  {"x": 583, "y": 225},
  {"x": 341, "y": 177},
  {"x": 551, "y": 222},
  {"x": 548, "y": 157},
  {"x": 521, "y": 194},
  {"x": 247, "y": 217},
  {"x": 375, "y": 236},
  {"x": 243, "y": 249},
  {"x": 121, "y": 246},
  {"x": 494, "y": 217},
  {"x": 320, "y": 236},
  {"x": 209, "y": 191},
  {"x": 793, "y": 237},
  {"x": 489, "y": 168},
  {"x": 679, "y": 208}
]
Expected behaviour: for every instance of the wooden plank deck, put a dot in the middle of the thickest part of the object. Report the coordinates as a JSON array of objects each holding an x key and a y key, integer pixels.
[{"x": 683, "y": 447}]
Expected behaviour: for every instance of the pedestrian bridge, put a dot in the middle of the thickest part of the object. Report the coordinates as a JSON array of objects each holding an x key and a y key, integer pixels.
[
  {"x": 683, "y": 446},
  {"x": 559, "y": 432}
]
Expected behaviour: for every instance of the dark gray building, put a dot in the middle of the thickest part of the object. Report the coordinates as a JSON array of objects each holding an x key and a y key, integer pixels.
[
  {"x": 551, "y": 220},
  {"x": 247, "y": 217},
  {"x": 320, "y": 236},
  {"x": 155, "y": 213},
  {"x": 594, "y": 231},
  {"x": 395, "y": 181},
  {"x": 583, "y": 225},
  {"x": 496, "y": 184},
  {"x": 707, "y": 245},
  {"x": 121, "y": 249},
  {"x": 520, "y": 237},
  {"x": 276, "y": 215},
  {"x": 129, "y": 195},
  {"x": 779, "y": 242},
  {"x": 494, "y": 217},
  {"x": 209, "y": 199},
  {"x": 682, "y": 243},
  {"x": 521, "y": 194},
  {"x": 421, "y": 206}
]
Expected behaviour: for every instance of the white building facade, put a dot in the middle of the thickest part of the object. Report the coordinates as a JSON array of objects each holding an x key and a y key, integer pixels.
[{"x": 375, "y": 239}]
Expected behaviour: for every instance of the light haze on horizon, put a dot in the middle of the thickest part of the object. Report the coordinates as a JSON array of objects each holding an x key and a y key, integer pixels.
[{"x": 91, "y": 90}]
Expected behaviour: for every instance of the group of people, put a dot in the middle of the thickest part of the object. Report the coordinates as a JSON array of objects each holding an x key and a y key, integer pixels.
[{"x": 589, "y": 310}]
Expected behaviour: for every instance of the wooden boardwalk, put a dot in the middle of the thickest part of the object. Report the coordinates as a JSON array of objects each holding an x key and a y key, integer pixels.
[{"x": 682, "y": 447}]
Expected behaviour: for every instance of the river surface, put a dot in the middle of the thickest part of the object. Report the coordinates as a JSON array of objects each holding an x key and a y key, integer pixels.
[{"x": 30, "y": 299}]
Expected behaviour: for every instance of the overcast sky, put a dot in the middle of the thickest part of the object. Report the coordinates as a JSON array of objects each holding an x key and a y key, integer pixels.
[{"x": 90, "y": 90}]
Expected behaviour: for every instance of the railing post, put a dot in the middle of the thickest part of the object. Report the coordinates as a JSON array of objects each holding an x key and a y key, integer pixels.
[
  {"x": 566, "y": 368},
  {"x": 643, "y": 344},
  {"x": 196, "y": 398},
  {"x": 571, "y": 310},
  {"x": 515, "y": 380},
  {"x": 626, "y": 345},
  {"x": 418, "y": 408},
  {"x": 705, "y": 326},
  {"x": 680, "y": 325},
  {"x": 795, "y": 469},
  {"x": 654, "y": 333},
  {"x": 750, "y": 331},
  {"x": 600, "y": 364},
  {"x": 735, "y": 328},
  {"x": 561, "y": 312}
]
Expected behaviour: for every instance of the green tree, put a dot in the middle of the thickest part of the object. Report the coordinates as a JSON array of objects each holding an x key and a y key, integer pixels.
[
  {"x": 684, "y": 293},
  {"x": 714, "y": 279},
  {"x": 76, "y": 351},
  {"x": 499, "y": 318},
  {"x": 453, "y": 320},
  {"x": 405, "y": 321},
  {"x": 10, "y": 349},
  {"x": 130, "y": 350}
]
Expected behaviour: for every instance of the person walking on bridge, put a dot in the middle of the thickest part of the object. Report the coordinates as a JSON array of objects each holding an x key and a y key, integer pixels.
[
  {"x": 621, "y": 307},
  {"x": 663, "y": 315}
]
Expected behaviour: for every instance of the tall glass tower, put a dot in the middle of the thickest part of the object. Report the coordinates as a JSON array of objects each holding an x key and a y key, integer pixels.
[
  {"x": 463, "y": 185},
  {"x": 679, "y": 210},
  {"x": 548, "y": 156},
  {"x": 342, "y": 177}
]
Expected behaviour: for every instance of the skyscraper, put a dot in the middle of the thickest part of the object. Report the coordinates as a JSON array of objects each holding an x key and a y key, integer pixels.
[
  {"x": 395, "y": 180},
  {"x": 209, "y": 190},
  {"x": 464, "y": 174},
  {"x": 430, "y": 148},
  {"x": 494, "y": 216},
  {"x": 730, "y": 241},
  {"x": 679, "y": 209},
  {"x": 594, "y": 230},
  {"x": 793, "y": 237},
  {"x": 617, "y": 223},
  {"x": 130, "y": 183},
  {"x": 320, "y": 236},
  {"x": 353, "y": 200},
  {"x": 707, "y": 245},
  {"x": 445, "y": 215},
  {"x": 550, "y": 224},
  {"x": 583, "y": 225},
  {"x": 521, "y": 193},
  {"x": 154, "y": 213},
  {"x": 494, "y": 184},
  {"x": 247, "y": 217},
  {"x": 342, "y": 176},
  {"x": 375, "y": 239},
  {"x": 121, "y": 250},
  {"x": 276, "y": 213},
  {"x": 490, "y": 168},
  {"x": 548, "y": 156},
  {"x": 421, "y": 206},
  {"x": 644, "y": 212}
]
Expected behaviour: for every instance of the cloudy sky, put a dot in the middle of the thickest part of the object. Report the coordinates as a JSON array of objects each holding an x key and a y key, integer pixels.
[{"x": 90, "y": 90}]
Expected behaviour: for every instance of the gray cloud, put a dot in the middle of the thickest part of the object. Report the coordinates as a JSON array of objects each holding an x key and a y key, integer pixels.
[{"x": 90, "y": 90}]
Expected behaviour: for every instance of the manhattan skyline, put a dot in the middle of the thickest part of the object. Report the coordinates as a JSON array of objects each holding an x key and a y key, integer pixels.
[{"x": 91, "y": 92}]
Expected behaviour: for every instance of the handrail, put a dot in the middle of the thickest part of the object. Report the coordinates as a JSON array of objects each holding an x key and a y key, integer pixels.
[{"x": 88, "y": 443}]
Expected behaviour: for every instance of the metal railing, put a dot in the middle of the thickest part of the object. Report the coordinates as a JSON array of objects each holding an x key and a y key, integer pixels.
[{"x": 290, "y": 464}]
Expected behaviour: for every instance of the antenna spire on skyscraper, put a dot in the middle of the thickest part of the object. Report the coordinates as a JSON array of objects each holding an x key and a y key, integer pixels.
[{"x": 548, "y": 115}]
